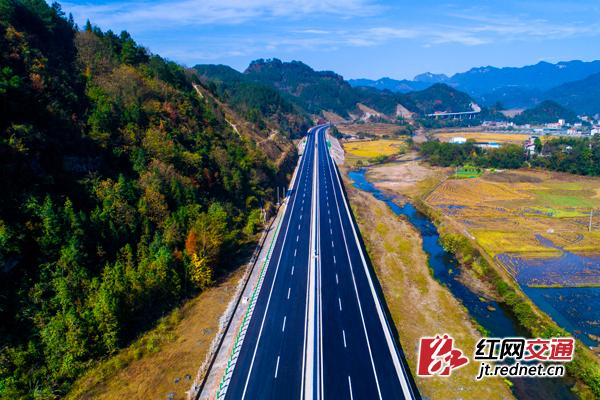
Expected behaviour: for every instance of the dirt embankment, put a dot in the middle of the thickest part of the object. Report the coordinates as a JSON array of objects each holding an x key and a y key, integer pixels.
[{"x": 404, "y": 177}]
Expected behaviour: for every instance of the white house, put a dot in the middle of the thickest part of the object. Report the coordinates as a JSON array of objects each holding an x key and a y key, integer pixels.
[{"x": 458, "y": 140}]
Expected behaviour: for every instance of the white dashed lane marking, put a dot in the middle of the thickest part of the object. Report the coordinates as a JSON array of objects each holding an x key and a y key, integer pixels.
[{"x": 350, "y": 386}]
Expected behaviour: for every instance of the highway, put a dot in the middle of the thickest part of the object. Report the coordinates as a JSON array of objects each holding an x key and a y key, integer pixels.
[{"x": 319, "y": 329}]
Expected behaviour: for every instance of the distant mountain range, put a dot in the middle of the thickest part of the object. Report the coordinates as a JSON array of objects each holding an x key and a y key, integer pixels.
[
  {"x": 572, "y": 84},
  {"x": 401, "y": 86}
]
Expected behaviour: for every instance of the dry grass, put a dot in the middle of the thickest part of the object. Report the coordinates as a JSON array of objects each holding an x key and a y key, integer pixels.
[
  {"x": 419, "y": 305},
  {"x": 405, "y": 177},
  {"x": 149, "y": 368}
]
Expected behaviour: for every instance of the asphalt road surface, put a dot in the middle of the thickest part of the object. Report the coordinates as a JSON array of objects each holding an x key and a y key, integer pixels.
[{"x": 319, "y": 328}]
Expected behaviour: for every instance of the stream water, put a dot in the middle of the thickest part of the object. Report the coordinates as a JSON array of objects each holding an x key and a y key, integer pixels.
[{"x": 496, "y": 319}]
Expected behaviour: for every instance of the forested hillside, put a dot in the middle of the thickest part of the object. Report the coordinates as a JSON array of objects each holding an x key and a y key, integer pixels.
[
  {"x": 317, "y": 91},
  {"x": 545, "y": 112},
  {"x": 122, "y": 190},
  {"x": 441, "y": 98},
  {"x": 256, "y": 102},
  {"x": 581, "y": 96},
  {"x": 314, "y": 90}
]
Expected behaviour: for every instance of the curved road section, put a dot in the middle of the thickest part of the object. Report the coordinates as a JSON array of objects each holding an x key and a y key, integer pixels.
[{"x": 319, "y": 327}]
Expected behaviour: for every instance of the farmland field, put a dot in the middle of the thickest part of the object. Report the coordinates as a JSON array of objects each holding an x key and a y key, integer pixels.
[
  {"x": 510, "y": 211},
  {"x": 514, "y": 138},
  {"x": 366, "y": 150},
  {"x": 536, "y": 224},
  {"x": 467, "y": 173}
]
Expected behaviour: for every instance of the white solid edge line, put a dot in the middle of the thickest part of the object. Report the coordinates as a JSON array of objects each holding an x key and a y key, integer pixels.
[{"x": 400, "y": 370}]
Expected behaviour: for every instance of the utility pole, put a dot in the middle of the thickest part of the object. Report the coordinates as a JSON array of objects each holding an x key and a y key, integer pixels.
[
  {"x": 591, "y": 214},
  {"x": 277, "y": 195}
]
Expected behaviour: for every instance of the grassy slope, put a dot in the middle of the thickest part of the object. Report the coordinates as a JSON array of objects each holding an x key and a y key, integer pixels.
[{"x": 401, "y": 266}]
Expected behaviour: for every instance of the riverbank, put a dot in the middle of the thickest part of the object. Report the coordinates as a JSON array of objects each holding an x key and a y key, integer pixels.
[{"x": 496, "y": 281}]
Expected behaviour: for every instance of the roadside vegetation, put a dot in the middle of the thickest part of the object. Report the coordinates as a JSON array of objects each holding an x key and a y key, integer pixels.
[
  {"x": 573, "y": 155},
  {"x": 164, "y": 361}
]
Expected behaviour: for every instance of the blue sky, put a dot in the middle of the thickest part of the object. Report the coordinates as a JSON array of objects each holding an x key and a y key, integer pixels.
[{"x": 356, "y": 38}]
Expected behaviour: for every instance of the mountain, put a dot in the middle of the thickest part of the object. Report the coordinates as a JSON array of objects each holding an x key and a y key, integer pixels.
[
  {"x": 545, "y": 112},
  {"x": 441, "y": 98},
  {"x": 429, "y": 77},
  {"x": 393, "y": 85},
  {"x": 313, "y": 90},
  {"x": 542, "y": 76},
  {"x": 129, "y": 187},
  {"x": 254, "y": 101},
  {"x": 318, "y": 91},
  {"x": 582, "y": 96}
]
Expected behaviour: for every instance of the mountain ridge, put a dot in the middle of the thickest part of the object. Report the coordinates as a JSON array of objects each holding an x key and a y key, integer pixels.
[
  {"x": 512, "y": 86},
  {"x": 318, "y": 91}
]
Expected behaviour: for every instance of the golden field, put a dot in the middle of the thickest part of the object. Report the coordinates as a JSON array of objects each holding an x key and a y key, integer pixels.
[
  {"x": 509, "y": 138},
  {"x": 505, "y": 211},
  {"x": 366, "y": 150}
]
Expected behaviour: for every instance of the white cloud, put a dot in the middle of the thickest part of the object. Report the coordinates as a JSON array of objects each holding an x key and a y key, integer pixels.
[
  {"x": 194, "y": 31},
  {"x": 202, "y": 12}
]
